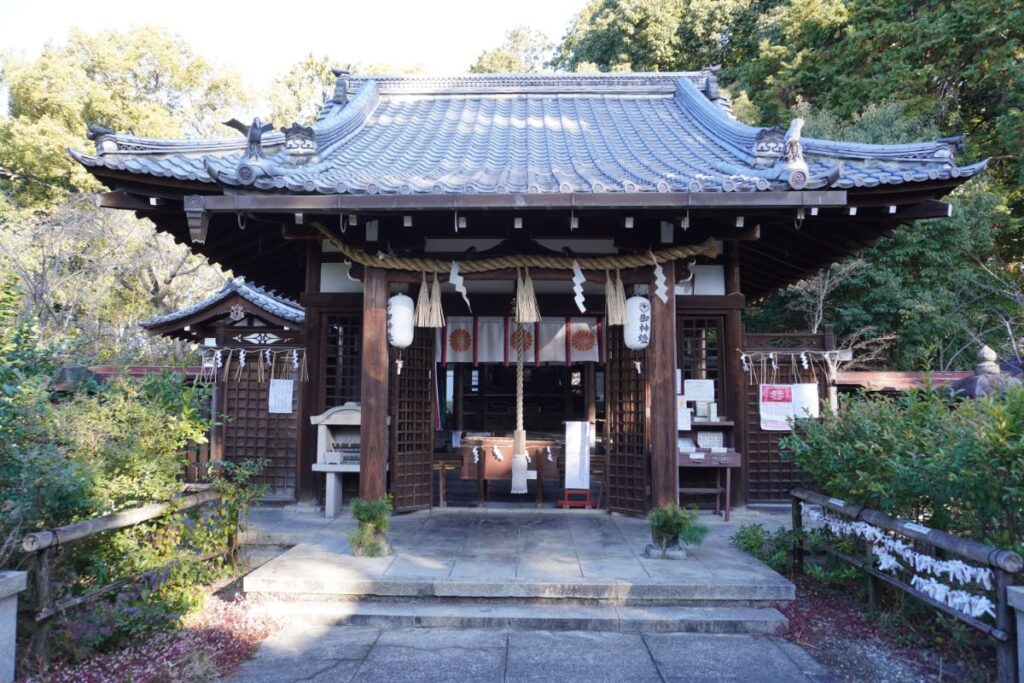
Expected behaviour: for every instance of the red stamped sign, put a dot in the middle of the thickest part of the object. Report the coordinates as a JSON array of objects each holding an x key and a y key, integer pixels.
[{"x": 776, "y": 393}]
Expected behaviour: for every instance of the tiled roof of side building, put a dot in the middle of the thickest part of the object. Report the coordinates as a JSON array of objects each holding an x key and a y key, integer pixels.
[
  {"x": 507, "y": 134},
  {"x": 271, "y": 302}
]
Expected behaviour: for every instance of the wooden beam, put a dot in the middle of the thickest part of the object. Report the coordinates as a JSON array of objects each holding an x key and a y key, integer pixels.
[
  {"x": 336, "y": 203},
  {"x": 373, "y": 394},
  {"x": 661, "y": 377}
]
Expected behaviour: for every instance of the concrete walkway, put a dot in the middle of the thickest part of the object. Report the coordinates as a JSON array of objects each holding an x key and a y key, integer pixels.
[
  {"x": 507, "y": 548},
  {"x": 346, "y": 653}
]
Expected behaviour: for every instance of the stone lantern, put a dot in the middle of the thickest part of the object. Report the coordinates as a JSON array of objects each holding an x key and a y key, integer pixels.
[{"x": 987, "y": 378}]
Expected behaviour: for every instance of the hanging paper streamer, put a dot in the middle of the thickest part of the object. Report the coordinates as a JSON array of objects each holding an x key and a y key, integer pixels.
[
  {"x": 577, "y": 286},
  {"x": 241, "y": 358},
  {"x": 459, "y": 283},
  {"x": 497, "y": 453},
  {"x": 660, "y": 288},
  {"x": 295, "y": 359}
]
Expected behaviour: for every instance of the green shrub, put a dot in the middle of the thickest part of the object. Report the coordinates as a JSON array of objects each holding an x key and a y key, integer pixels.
[
  {"x": 954, "y": 465},
  {"x": 374, "y": 517},
  {"x": 671, "y": 523}
]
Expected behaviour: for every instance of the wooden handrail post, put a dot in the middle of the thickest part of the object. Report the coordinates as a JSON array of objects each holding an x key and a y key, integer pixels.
[
  {"x": 43, "y": 576},
  {"x": 798, "y": 531},
  {"x": 1006, "y": 651}
]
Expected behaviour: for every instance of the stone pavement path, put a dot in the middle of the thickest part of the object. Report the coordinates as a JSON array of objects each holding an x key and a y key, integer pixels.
[{"x": 319, "y": 652}]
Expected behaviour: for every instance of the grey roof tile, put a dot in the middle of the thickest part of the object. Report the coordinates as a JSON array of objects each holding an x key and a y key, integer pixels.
[
  {"x": 270, "y": 302},
  {"x": 515, "y": 133}
]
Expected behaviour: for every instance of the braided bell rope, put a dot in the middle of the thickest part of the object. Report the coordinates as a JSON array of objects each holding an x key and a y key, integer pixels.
[{"x": 707, "y": 248}]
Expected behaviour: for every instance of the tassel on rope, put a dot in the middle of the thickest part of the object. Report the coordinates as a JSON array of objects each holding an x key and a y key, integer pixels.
[
  {"x": 527, "y": 310},
  {"x": 615, "y": 299},
  {"x": 435, "y": 312},
  {"x": 423, "y": 303}
]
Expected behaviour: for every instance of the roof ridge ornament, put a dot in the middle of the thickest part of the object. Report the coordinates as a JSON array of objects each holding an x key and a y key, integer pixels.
[
  {"x": 251, "y": 164},
  {"x": 340, "y": 96},
  {"x": 793, "y": 161},
  {"x": 300, "y": 144}
]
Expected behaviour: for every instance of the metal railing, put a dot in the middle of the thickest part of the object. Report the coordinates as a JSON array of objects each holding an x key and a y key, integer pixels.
[{"x": 1004, "y": 564}]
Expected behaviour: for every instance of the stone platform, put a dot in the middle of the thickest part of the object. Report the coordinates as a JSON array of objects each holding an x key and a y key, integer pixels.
[{"x": 559, "y": 570}]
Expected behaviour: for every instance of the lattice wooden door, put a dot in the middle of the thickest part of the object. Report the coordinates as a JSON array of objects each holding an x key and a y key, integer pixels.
[
  {"x": 251, "y": 431},
  {"x": 769, "y": 475},
  {"x": 412, "y": 424},
  {"x": 626, "y": 428}
]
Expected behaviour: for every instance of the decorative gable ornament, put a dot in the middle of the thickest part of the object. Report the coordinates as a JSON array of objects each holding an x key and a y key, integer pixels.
[
  {"x": 300, "y": 144},
  {"x": 236, "y": 313},
  {"x": 768, "y": 147}
]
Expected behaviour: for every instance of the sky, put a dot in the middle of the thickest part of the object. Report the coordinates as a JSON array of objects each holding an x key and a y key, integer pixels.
[{"x": 444, "y": 36}]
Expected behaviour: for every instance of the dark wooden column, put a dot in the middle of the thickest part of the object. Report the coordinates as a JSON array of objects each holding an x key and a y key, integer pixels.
[
  {"x": 307, "y": 483},
  {"x": 661, "y": 377},
  {"x": 737, "y": 391},
  {"x": 373, "y": 395}
]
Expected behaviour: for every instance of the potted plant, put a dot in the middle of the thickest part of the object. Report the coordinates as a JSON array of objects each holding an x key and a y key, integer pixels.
[
  {"x": 672, "y": 525},
  {"x": 373, "y": 517}
]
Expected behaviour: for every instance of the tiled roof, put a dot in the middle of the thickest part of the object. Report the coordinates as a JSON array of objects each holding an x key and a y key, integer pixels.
[
  {"x": 514, "y": 134},
  {"x": 271, "y": 302}
]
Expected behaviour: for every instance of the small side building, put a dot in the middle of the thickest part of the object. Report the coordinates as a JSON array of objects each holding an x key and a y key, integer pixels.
[{"x": 248, "y": 336}]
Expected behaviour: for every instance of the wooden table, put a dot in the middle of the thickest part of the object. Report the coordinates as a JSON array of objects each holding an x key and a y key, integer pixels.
[{"x": 704, "y": 459}]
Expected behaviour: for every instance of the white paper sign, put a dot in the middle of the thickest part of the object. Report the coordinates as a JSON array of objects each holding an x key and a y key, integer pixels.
[
  {"x": 279, "y": 399},
  {"x": 776, "y": 403},
  {"x": 699, "y": 389},
  {"x": 577, "y": 455},
  {"x": 805, "y": 400},
  {"x": 683, "y": 422}
]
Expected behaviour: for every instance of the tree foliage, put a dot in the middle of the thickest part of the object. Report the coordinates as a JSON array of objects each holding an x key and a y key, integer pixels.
[
  {"x": 524, "y": 50},
  {"x": 144, "y": 81},
  {"x": 867, "y": 71}
]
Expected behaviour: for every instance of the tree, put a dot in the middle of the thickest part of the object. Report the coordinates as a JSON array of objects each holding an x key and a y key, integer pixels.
[
  {"x": 89, "y": 275},
  {"x": 144, "y": 81},
  {"x": 525, "y": 50},
  {"x": 921, "y": 296},
  {"x": 299, "y": 93},
  {"x": 653, "y": 35}
]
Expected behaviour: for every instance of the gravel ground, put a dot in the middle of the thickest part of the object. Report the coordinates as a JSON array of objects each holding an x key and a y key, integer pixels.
[{"x": 830, "y": 625}]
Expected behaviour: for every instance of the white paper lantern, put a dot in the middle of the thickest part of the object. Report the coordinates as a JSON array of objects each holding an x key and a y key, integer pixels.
[
  {"x": 401, "y": 321},
  {"x": 637, "y": 330}
]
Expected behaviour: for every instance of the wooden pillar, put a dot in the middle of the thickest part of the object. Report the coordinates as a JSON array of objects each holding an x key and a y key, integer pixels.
[
  {"x": 661, "y": 377},
  {"x": 308, "y": 484},
  {"x": 374, "y": 386},
  {"x": 737, "y": 381}
]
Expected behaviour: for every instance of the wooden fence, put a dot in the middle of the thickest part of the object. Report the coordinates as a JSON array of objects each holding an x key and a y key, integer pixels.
[
  {"x": 1002, "y": 564},
  {"x": 43, "y": 548},
  {"x": 197, "y": 461}
]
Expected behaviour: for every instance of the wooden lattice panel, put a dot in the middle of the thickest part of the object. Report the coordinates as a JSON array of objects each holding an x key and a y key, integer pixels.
[
  {"x": 342, "y": 358},
  {"x": 769, "y": 476},
  {"x": 252, "y": 432},
  {"x": 626, "y": 421},
  {"x": 700, "y": 342},
  {"x": 412, "y": 424}
]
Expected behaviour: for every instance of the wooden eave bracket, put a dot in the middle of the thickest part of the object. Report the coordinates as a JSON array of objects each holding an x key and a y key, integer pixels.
[{"x": 198, "y": 218}]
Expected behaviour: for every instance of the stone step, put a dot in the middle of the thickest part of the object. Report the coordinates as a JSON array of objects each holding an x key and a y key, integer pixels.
[
  {"x": 616, "y": 592},
  {"x": 526, "y": 615}
]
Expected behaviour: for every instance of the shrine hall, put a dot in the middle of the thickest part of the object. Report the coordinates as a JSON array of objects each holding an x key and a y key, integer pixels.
[{"x": 531, "y": 287}]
